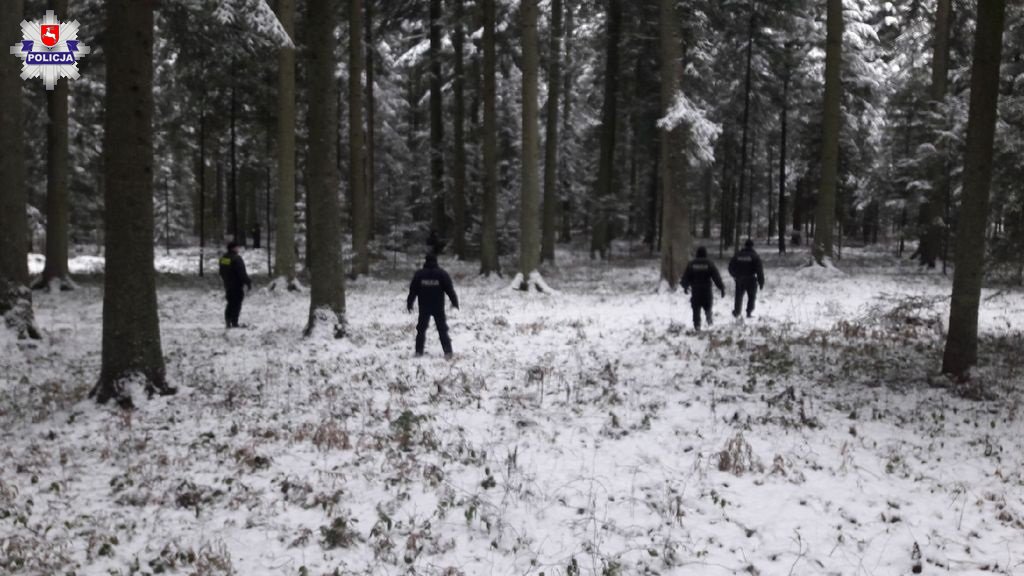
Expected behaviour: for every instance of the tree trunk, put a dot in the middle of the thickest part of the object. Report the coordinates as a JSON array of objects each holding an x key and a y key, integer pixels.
[
  {"x": 651, "y": 236},
  {"x": 725, "y": 201},
  {"x": 599, "y": 233},
  {"x": 746, "y": 126},
  {"x": 962, "y": 340},
  {"x": 371, "y": 126},
  {"x": 55, "y": 274},
  {"x": 201, "y": 170},
  {"x": 529, "y": 225},
  {"x": 356, "y": 173},
  {"x": 551, "y": 134},
  {"x": 436, "y": 122},
  {"x": 285, "y": 258},
  {"x": 489, "y": 237},
  {"x": 131, "y": 325},
  {"x": 236, "y": 234},
  {"x": 933, "y": 208},
  {"x": 675, "y": 223},
  {"x": 244, "y": 205},
  {"x": 750, "y": 193},
  {"x": 798, "y": 213},
  {"x": 706, "y": 216},
  {"x": 565, "y": 203},
  {"x": 327, "y": 278},
  {"x": 826, "y": 207},
  {"x": 783, "y": 121},
  {"x": 459, "y": 105},
  {"x": 769, "y": 156},
  {"x": 15, "y": 297}
]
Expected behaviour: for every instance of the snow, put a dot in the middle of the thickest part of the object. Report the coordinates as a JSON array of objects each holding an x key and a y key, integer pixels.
[
  {"x": 534, "y": 280},
  {"x": 174, "y": 261},
  {"x": 577, "y": 434},
  {"x": 701, "y": 131}
]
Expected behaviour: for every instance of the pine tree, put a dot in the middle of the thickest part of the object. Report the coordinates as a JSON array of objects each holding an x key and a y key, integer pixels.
[
  {"x": 529, "y": 225},
  {"x": 600, "y": 234},
  {"x": 15, "y": 297},
  {"x": 327, "y": 278},
  {"x": 551, "y": 170},
  {"x": 439, "y": 221},
  {"x": 357, "y": 183},
  {"x": 371, "y": 121},
  {"x": 783, "y": 133},
  {"x": 961, "y": 351},
  {"x": 55, "y": 274},
  {"x": 675, "y": 221},
  {"x": 744, "y": 147},
  {"x": 826, "y": 208},
  {"x": 284, "y": 264},
  {"x": 489, "y": 240},
  {"x": 131, "y": 325},
  {"x": 932, "y": 219},
  {"x": 459, "y": 106}
]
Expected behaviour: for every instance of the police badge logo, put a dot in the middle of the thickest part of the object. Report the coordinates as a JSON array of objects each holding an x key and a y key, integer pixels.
[{"x": 50, "y": 49}]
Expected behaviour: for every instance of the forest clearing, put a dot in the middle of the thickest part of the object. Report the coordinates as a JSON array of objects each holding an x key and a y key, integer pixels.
[
  {"x": 511, "y": 287},
  {"x": 572, "y": 434}
]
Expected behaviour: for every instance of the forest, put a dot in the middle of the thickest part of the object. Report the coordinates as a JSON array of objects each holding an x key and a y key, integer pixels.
[{"x": 565, "y": 165}]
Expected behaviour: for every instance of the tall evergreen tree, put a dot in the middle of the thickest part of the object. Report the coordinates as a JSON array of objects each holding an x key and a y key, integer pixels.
[
  {"x": 600, "y": 234},
  {"x": 15, "y": 297},
  {"x": 55, "y": 274},
  {"x": 489, "y": 233},
  {"x": 744, "y": 147},
  {"x": 436, "y": 121},
  {"x": 327, "y": 278},
  {"x": 783, "y": 129},
  {"x": 551, "y": 169},
  {"x": 826, "y": 208},
  {"x": 933, "y": 207},
  {"x": 459, "y": 136},
  {"x": 131, "y": 325},
  {"x": 371, "y": 120},
  {"x": 961, "y": 351},
  {"x": 284, "y": 263},
  {"x": 675, "y": 220},
  {"x": 529, "y": 225},
  {"x": 357, "y": 182}
]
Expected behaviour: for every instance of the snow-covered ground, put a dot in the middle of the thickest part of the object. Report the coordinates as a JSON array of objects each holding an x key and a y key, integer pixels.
[{"x": 578, "y": 433}]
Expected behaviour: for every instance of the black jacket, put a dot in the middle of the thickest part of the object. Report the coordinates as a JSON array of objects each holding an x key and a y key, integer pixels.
[
  {"x": 232, "y": 272},
  {"x": 746, "y": 265},
  {"x": 699, "y": 275},
  {"x": 430, "y": 284}
]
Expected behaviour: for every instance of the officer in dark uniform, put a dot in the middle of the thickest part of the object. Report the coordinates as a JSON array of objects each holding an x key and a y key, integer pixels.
[
  {"x": 748, "y": 273},
  {"x": 430, "y": 284},
  {"x": 435, "y": 244},
  {"x": 699, "y": 275},
  {"x": 232, "y": 272}
]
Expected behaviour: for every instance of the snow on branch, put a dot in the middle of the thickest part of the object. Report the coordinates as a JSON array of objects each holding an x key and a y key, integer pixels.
[
  {"x": 258, "y": 15},
  {"x": 701, "y": 132}
]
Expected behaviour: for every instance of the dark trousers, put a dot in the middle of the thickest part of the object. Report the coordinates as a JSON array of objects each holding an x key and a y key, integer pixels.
[
  {"x": 441, "y": 322},
  {"x": 234, "y": 308},
  {"x": 701, "y": 302},
  {"x": 746, "y": 286}
]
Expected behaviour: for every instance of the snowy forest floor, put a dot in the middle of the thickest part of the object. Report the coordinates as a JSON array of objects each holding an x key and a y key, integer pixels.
[{"x": 579, "y": 433}]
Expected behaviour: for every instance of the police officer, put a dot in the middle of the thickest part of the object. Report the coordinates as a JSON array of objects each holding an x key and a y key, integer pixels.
[
  {"x": 434, "y": 243},
  {"x": 232, "y": 272},
  {"x": 430, "y": 284},
  {"x": 699, "y": 275},
  {"x": 748, "y": 273}
]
